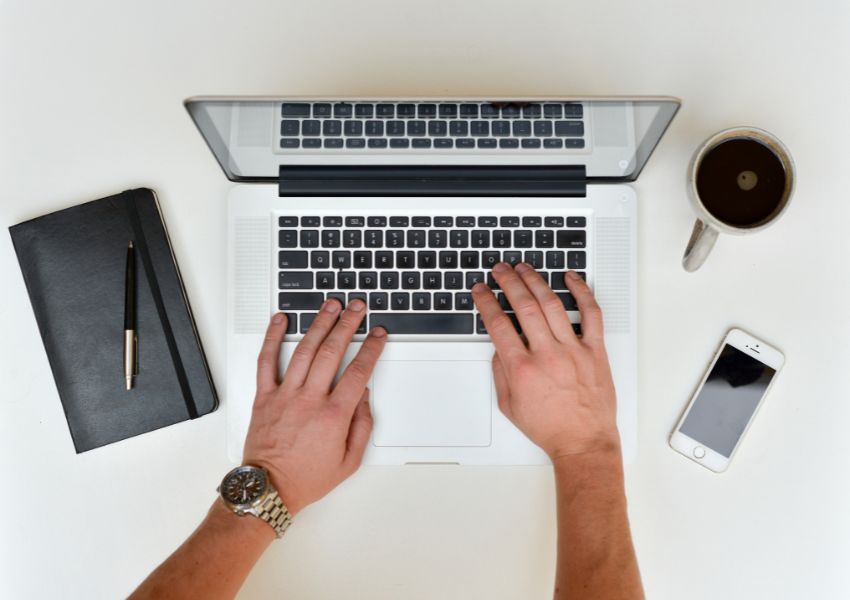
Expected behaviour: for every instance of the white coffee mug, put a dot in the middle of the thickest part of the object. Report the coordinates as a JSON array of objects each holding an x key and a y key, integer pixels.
[{"x": 708, "y": 225}]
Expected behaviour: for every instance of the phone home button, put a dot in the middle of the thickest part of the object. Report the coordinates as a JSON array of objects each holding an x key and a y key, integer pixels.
[{"x": 699, "y": 452}]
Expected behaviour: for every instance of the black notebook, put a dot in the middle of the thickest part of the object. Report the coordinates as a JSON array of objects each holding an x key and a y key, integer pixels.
[{"x": 73, "y": 262}]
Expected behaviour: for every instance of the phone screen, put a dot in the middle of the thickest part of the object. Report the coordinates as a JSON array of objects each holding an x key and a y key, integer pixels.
[{"x": 728, "y": 399}]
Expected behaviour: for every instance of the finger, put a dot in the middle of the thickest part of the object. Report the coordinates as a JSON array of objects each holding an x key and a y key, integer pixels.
[
  {"x": 358, "y": 433},
  {"x": 267, "y": 362},
  {"x": 524, "y": 304},
  {"x": 503, "y": 392},
  {"x": 591, "y": 314},
  {"x": 302, "y": 357},
  {"x": 329, "y": 354},
  {"x": 550, "y": 304},
  {"x": 356, "y": 376},
  {"x": 499, "y": 327}
]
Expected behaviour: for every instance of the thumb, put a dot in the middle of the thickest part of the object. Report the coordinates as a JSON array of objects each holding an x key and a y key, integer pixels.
[
  {"x": 358, "y": 433},
  {"x": 503, "y": 392}
]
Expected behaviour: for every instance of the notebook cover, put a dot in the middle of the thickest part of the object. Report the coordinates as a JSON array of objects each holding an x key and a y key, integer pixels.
[{"x": 73, "y": 262}]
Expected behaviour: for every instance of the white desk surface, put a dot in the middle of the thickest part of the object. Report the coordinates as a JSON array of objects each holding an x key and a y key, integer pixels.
[{"x": 91, "y": 104}]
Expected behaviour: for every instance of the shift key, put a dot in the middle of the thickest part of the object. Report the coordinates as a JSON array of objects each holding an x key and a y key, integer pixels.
[
  {"x": 300, "y": 300},
  {"x": 294, "y": 280}
]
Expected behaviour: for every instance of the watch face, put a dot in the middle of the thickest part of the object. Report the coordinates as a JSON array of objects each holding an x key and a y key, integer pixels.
[{"x": 244, "y": 485}]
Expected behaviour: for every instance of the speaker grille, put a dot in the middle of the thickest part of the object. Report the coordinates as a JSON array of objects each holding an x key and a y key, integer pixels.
[
  {"x": 613, "y": 272},
  {"x": 251, "y": 274}
]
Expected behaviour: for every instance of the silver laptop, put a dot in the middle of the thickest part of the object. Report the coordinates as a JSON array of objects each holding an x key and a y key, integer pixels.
[{"x": 407, "y": 203}]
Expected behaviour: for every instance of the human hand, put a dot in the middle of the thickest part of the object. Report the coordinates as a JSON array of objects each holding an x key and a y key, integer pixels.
[
  {"x": 557, "y": 387},
  {"x": 308, "y": 433}
]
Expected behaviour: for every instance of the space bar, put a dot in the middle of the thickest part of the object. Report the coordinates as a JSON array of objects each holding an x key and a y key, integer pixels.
[{"x": 427, "y": 324}]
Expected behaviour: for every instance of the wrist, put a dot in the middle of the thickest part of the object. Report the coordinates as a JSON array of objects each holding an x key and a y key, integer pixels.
[
  {"x": 246, "y": 528},
  {"x": 599, "y": 469}
]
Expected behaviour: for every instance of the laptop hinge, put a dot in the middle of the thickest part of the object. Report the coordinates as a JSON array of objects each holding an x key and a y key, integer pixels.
[{"x": 426, "y": 180}]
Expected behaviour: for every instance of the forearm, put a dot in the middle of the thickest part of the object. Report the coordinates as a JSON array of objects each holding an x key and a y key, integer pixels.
[
  {"x": 596, "y": 559},
  {"x": 215, "y": 560}
]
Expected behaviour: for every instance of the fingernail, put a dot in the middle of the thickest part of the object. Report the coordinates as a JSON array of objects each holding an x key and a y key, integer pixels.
[
  {"x": 277, "y": 319},
  {"x": 522, "y": 268},
  {"x": 331, "y": 306},
  {"x": 501, "y": 267},
  {"x": 357, "y": 306},
  {"x": 379, "y": 332},
  {"x": 478, "y": 288},
  {"x": 573, "y": 275}
]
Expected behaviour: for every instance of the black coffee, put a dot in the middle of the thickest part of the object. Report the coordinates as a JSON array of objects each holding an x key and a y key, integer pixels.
[{"x": 741, "y": 182}]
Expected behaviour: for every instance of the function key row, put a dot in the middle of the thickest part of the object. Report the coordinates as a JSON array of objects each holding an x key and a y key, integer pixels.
[
  {"x": 423, "y": 221},
  {"x": 427, "y": 110},
  {"x": 427, "y": 144}
]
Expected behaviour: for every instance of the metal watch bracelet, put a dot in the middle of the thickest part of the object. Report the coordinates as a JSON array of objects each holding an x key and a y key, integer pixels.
[{"x": 274, "y": 512}]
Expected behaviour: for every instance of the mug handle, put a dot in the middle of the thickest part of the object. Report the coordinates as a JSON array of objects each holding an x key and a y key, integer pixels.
[{"x": 702, "y": 241}]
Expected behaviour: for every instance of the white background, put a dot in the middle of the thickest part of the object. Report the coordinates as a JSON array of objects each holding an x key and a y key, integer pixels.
[{"x": 90, "y": 104}]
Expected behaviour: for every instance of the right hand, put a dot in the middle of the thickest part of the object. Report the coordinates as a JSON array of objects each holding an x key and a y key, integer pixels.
[{"x": 557, "y": 387}]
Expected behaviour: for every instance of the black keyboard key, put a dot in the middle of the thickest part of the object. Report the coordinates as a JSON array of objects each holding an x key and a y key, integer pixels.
[
  {"x": 427, "y": 111},
  {"x": 443, "y": 221},
  {"x": 311, "y": 128},
  {"x": 415, "y": 238},
  {"x": 325, "y": 280},
  {"x": 554, "y": 259},
  {"x": 395, "y": 128},
  {"x": 553, "y": 111},
  {"x": 376, "y": 221},
  {"x": 571, "y": 239},
  {"x": 420, "y": 143},
  {"x": 576, "y": 222},
  {"x": 491, "y": 282},
  {"x": 510, "y": 112},
  {"x": 480, "y": 238},
  {"x": 307, "y": 320},
  {"x": 406, "y": 260},
  {"x": 438, "y": 238},
  {"x": 309, "y": 238},
  {"x": 552, "y": 143},
  {"x": 438, "y": 128},
  {"x": 343, "y": 110},
  {"x": 294, "y": 280},
  {"x": 509, "y": 221},
  {"x": 338, "y": 296},
  {"x": 448, "y": 259},
  {"x": 355, "y": 221},
  {"x": 379, "y": 300},
  {"x": 465, "y": 143},
  {"x": 300, "y": 300},
  {"x": 573, "y": 111},
  {"x": 512, "y": 257},
  {"x": 310, "y": 221},
  {"x": 341, "y": 259},
  {"x": 291, "y": 322},
  {"x": 530, "y": 143},
  {"x": 469, "y": 260},
  {"x": 346, "y": 280},
  {"x": 289, "y": 127},
  {"x": 377, "y": 143},
  {"x": 432, "y": 280},
  {"x": 453, "y": 280},
  {"x": 532, "y": 221},
  {"x": 368, "y": 280},
  {"x": 287, "y": 221},
  {"x": 509, "y": 143},
  {"x": 443, "y": 143},
  {"x": 410, "y": 280},
  {"x": 569, "y": 128},
  {"x": 295, "y": 109},
  {"x": 574, "y": 143},
  {"x": 486, "y": 143},
  {"x": 421, "y": 301},
  {"x": 567, "y": 299},
  {"x": 576, "y": 260},
  {"x": 501, "y": 128},
  {"x": 374, "y": 128},
  {"x": 386, "y": 111},
  {"x": 522, "y": 238},
  {"x": 489, "y": 259},
  {"x": 332, "y": 127},
  {"x": 384, "y": 260},
  {"x": 522, "y": 128},
  {"x": 459, "y": 128},
  {"x": 554, "y": 221},
  {"x": 287, "y": 238},
  {"x": 448, "y": 111},
  {"x": 463, "y": 301},
  {"x": 399, "y": 222},
  {"x": 353, "y": 128},
  {"x": 469, "y": 110},
  {"x": 363, "y": 259},
  {"x": 480, "y": 324},
  {"x": 421, "y": 221},
  {"x": 292, "y": 259},
  {"x": 321, "y": 109},
  {"x": 488, "y": 111},
  {"x": 544, "y": 238},
  {"x": 406, "y": 110},
  {"x": 332, "y": 143},
  {"x": 416, "y": 128},
  {"x": 398, "y": 301},
  {"x": 542, "y": 128},
  {"x": 331, "y": 221},
  {"x": 442, "y": 301},
  {"x": 558, "y": 282},
  {"x": 458, "y": 238},
  {"x": 427, "y": 259},
  {"x": 534, "y": 258},
  {"x": 532, "y": 111},
  {"x": 364, "y": 111},
  {"x": 355, "y": 143},
  {"x": 466, "y": 221},
  {"x": 395, "y": 238},
  {"x": 501, "y": 238},
  {"x": 389, "y": 280},
  {"x": 488, "y": 222},
  {"x": 479, "y": 128},
  {"x": 473, "y": 277},
  {"x": 374, "y": 238},
  {"x": 423, "y": 324},
  {"x": 320, "y": 259},
  {"x": 399, "y": 143},
  {"x": 330, "y": 238},
  {"x": 289, "y": 143}
]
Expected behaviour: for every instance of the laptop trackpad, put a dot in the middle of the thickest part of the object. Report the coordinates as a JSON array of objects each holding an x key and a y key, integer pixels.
[{"x": 431, "y": 403}]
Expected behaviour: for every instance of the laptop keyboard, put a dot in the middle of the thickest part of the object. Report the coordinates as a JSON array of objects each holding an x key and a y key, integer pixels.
[
  {"x": 432, "y": 126},
  {"x": 415, "y": 271}
]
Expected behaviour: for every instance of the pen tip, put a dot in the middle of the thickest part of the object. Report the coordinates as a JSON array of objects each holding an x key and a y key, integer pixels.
[{"x": 130, "y": 245}]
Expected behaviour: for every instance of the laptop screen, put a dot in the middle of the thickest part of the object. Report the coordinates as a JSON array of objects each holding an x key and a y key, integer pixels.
[{"x": 605, "y": 139}]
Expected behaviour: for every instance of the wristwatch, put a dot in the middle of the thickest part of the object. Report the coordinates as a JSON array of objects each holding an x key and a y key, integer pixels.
[{"x": 246, "y": 490}]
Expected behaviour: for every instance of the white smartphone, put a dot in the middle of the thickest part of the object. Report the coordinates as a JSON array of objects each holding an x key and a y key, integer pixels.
[{"x": 723, "y": 407}]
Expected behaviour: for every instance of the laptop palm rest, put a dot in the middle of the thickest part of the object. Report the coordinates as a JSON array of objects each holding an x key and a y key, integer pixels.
[{"x": 432, "y": 403}]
